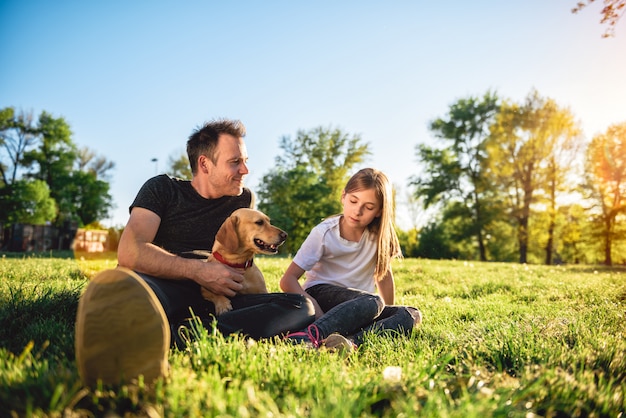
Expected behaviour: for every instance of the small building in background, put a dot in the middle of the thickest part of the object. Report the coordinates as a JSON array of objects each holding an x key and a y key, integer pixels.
[
  {"x": 92, "y": 240},
  {"x": 39, "y": 238}
]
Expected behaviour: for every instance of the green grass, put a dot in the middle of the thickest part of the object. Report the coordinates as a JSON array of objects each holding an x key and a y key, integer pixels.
[{"x": 504, "y": 340}]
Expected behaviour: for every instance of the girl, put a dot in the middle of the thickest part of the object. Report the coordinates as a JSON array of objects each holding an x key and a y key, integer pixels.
[{"x": 346, "y": 258}]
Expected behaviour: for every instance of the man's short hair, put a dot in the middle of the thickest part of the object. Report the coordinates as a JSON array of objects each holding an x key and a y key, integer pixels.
[{"x": 203, "y": 140}]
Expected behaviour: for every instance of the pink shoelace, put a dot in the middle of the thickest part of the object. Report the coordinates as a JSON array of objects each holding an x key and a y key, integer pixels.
[{"x": 312, "y": 333}]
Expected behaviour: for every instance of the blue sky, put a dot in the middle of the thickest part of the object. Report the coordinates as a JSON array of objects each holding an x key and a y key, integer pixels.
[{"x": 134, "y": 78}]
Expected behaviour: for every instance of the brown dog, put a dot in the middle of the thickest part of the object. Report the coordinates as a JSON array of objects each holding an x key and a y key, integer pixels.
[{"x": 243, "y": 234}]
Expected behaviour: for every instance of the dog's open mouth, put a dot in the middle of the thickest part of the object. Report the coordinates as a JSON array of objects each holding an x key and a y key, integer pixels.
[{"x": 265, "y": 247}]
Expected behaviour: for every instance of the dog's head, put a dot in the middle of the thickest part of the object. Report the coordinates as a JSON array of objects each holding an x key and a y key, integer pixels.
[{"x": 249, "y": 231}]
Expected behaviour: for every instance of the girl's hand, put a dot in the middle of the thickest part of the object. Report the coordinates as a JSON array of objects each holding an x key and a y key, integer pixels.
[
  {"x": 318, "y": 311},
  {"x": 289, "y": 283}
]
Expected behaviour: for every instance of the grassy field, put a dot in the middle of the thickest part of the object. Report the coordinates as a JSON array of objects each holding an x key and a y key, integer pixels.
[{"x": 503, "y": 340}]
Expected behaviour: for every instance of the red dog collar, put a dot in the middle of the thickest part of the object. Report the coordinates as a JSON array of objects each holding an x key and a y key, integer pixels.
[{"x": 245, "y": 265}]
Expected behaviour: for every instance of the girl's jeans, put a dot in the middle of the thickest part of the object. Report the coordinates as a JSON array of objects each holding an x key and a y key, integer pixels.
[{"x": 352, "y": 312}]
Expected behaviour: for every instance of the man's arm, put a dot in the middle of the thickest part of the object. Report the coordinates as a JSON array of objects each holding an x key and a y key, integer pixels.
[{"x": 137, "y": 252}]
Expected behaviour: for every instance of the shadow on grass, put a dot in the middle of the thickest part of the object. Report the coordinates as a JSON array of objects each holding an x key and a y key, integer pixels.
[{"x": 46, "y": 319}]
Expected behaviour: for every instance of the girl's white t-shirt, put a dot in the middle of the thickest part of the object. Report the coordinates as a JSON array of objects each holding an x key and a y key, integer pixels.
[{"x": 327, "y": 258}]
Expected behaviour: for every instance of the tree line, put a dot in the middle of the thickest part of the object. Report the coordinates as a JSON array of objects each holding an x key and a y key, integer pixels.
[
  {"x": 45, "y": 178},
  {"x": 507, "y": 180},
  {"x": 518, "y": 180}
]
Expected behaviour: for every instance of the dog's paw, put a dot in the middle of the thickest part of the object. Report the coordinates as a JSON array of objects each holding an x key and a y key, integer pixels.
[{"x": 222, "y": 305}]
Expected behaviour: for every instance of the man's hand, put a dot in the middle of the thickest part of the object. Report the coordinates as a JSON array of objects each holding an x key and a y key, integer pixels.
[{"x": 219, "y": 279}]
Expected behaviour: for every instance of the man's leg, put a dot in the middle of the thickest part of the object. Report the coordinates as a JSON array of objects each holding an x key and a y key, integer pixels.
[
  {"x": 179, "y": 298},
  {"x": 121, "y": 330},
  {"x": 266, "y": 315}
]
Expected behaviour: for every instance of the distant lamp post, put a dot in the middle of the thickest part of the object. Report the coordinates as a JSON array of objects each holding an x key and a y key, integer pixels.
[{"x": 156, "y": 165}]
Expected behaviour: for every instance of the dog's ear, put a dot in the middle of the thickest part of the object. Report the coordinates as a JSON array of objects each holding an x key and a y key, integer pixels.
[{"x": 227, "y": 234}]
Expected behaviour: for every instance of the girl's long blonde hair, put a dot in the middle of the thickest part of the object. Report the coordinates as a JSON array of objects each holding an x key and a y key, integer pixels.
[{"x": 383, "y": 226}]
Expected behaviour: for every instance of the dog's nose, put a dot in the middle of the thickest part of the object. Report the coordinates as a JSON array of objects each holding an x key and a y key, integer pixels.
[{"x": 283, "y": 235}]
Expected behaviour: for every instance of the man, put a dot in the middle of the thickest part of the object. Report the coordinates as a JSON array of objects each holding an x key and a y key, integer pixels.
[{"x": 128, "y": 317}]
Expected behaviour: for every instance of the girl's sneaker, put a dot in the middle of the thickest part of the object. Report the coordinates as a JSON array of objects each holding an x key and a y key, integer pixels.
[
  {"x": 337, "y": 342},
  {"x": 312, "y": 337},
  {"x": 121, "y": 330}
]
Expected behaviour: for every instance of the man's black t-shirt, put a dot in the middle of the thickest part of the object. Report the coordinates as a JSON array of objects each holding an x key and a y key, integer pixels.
[{"x": 188, "y": 221}]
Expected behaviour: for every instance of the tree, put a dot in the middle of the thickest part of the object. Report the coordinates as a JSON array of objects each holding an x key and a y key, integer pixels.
[
  {"x": 52, "y": 161},
  {"x": 409, "y": 241},
  {"x": 45, "y": 151},
  {"x": 606, "y": 183},
  {"x": 561, "y": 139},
  {"x": 179, "y": 167},
  {"x": 296, "y": 200},
  {"x": 308, "y": 179},
  {"x": 611, "y": 13},
  {"x": 27, "y": 202},
  {"x": 573, "y": 247},
  {"x": 327, "y": 152},
  {"x": 523, "y": 153},
  {"x": 55, "y": 154},
  {"x": 454, "y": 174},
  {"x": 17, "y": 136},
  {"x": 71, "y": 173},
  {"x": 88, "y": 192},
  {"x": 88, "y": 161},
  {"x": 88, "y": 196},
  {"x": 434, "y": 242}
]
